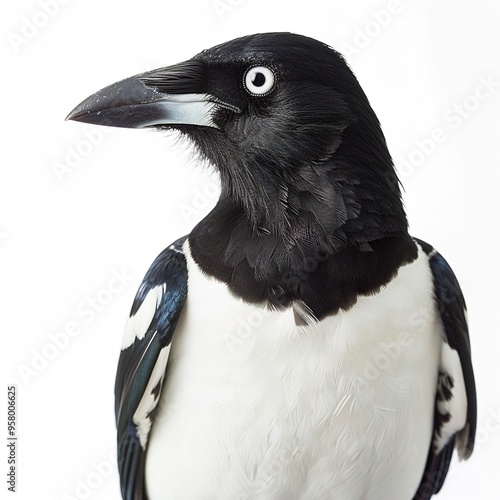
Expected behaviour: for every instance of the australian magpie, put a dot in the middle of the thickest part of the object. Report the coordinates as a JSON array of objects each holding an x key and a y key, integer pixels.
[{"x": 298, "y": 343}]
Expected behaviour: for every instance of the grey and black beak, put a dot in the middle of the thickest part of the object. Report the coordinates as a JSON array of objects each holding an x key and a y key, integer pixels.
[{"x": 167, "y": 96}]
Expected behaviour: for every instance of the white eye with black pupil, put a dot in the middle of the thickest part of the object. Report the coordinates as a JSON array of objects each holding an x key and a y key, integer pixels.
[{"x": 259, "y": 80}]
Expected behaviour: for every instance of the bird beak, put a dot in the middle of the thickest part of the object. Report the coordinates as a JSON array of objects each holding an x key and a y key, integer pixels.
[{"x": 168, "y": 96}]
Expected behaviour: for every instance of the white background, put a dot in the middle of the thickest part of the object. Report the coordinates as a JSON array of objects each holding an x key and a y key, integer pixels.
[{"x": 63, "y": 236}]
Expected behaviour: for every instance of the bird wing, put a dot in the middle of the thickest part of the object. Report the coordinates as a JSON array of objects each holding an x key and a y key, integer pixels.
[
  {"x": 455, "y": 410},
  {"x": 143, "y": 360}
]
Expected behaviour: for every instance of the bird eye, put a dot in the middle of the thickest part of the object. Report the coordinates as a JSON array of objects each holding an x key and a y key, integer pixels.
[{"x": 259, "y": 80}]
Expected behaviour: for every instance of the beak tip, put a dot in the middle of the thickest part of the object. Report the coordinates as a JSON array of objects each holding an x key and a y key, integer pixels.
[
  {"x": 71, "y": 116},
  {"x": 76, "y": 114},
  {"x": 85, "y": 115}
]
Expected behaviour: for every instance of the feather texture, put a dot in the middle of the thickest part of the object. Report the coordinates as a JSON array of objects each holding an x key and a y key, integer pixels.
[{"x": 143, "y": 361}]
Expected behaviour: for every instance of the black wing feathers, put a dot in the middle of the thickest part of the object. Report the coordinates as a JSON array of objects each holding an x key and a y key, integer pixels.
[
  {"x": 137, "y": 362},
  {"x": 451, "y": 306}
]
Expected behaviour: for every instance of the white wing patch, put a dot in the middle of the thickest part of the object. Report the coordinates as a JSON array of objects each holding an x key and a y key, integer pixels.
[
  {"x": 138, "y": 324},
  {"x": 452, "y": 397},
  {"x": 151, "y": 397}
]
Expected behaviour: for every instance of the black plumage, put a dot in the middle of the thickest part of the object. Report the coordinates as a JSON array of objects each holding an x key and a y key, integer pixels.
[{"x": 325, "y": 201}]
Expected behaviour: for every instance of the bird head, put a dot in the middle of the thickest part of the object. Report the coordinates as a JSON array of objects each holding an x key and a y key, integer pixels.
[
  {"x": 281, "y": 116},
  {"x": 307, "y": 182}
]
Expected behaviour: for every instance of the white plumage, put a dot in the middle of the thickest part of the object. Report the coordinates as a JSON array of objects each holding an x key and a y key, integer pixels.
[
  {"x": 256, "y": 407},
  {"x": 137, "y": 325}
]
